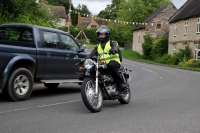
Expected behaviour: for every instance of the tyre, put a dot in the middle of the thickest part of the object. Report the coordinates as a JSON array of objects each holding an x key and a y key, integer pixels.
[
  {"x": 51, "y": 85},
  {"x": 93, "y": 102},
  {"x": 19, "y": 85},
  {"x": 126, "y": 96}
]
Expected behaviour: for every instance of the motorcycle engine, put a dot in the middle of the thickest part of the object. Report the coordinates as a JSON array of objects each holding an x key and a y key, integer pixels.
[
  {"x": 112, "y": 90},
  {"x": 110, "y": 86}
]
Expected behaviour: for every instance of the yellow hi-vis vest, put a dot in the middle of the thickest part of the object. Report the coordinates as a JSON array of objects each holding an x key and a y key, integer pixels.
[{"x": 107, "y": 57}]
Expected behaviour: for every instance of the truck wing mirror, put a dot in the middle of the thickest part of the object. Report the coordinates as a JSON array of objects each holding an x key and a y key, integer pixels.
[{"x": 82, "y": 48}]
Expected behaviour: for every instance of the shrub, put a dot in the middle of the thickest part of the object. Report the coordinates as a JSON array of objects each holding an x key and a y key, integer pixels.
[
  {"x": 160, "y": 47},
  {"x": 147, "y": 46},
  {"x": 165, "y": 59},
  {"x": 192, "y": 63},
  {"x": 72, "y": 29},
  {"x": 183, "y": 55},
  {"x": 121, "y": 33}
]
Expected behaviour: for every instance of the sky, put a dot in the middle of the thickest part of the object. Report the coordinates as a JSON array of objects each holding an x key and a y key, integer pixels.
[{"x": 95, "y": 6}]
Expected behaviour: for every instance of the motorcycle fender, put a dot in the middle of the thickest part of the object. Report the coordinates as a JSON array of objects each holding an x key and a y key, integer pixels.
[{"x": 87, "y": 73}]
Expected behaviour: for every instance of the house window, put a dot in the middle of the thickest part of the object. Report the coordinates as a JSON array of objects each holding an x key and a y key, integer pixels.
[
  {"x": 184, "y": 46},
  {"x": 175, "y": 29},
  {"x": 198, "y": 25},
  {"x": 158, "y": 26},
  {"x": 186, "y": 28},
  {"x": 174, "y": 49},
  {"x": 196, "y": 50},
  {"x": 93, "y": 26}
]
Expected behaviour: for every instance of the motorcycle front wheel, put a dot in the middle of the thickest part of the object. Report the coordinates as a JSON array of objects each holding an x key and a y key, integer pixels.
[{"x": 92, "y": 101}]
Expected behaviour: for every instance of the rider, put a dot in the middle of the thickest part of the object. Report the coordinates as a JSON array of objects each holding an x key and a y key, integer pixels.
[{"x": 114, "y": 59}]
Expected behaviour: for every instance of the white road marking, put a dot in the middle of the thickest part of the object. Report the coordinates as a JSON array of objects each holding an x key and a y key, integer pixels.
[
  {"x": 149, "y": 70},
  {"x": 41, "y": 106},
  {"x": 142, "y": 68},
  {"x": 152, "y": 83},
  {"x": 128, "y": 64}
]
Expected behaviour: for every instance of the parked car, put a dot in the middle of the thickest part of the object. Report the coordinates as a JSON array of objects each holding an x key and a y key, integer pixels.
[{"x": 31, "y": 54}]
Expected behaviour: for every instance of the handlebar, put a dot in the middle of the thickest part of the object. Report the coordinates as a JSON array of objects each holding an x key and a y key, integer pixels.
[{"x": 82, "y": 60}]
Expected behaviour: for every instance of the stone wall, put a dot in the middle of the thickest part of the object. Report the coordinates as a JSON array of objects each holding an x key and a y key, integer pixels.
[
  {"x": 192, "y": 38},
  {"x": 162, "y": 17},
  {"x": 128, "y": 46}
]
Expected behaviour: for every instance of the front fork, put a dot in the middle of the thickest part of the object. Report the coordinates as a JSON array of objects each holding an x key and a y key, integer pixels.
[
  {"x": 87, "y": 73},
  {"x": 96, "y": 87},
  {"x": 122, "y": 74}
]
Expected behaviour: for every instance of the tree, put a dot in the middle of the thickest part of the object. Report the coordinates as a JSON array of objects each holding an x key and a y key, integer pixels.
[
  {"x": 23, "y": 12},
  {"x": 138, "y": 10},
  {"x": 110, "y": 11},
  {"x": 83, "y": 9}
]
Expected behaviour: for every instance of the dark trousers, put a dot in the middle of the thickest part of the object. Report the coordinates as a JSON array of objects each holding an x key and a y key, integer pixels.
[{"x": 113, "y": 68}]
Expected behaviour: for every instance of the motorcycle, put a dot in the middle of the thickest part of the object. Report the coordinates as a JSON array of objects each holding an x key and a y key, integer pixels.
[{"x": 98, "y": 84}]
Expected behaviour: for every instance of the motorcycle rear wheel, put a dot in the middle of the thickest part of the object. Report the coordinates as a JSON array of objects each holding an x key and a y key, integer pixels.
[{"x": 93, "y": 102}]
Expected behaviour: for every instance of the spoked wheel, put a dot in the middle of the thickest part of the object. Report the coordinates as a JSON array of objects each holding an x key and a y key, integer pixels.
[
  {"x": 92, "y": 101},
  {"x": 126, "y": 96}
]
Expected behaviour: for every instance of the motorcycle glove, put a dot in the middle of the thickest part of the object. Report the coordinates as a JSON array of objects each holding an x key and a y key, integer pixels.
[{"x": 112, "y": 51}]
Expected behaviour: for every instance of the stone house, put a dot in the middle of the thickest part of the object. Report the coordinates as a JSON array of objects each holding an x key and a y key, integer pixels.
[
  {"x": 59, "y": 12},
  {"x": 85, "y": 22},
  {"x": 185, "y": 28},
  {"x": 156, "y": 25}
]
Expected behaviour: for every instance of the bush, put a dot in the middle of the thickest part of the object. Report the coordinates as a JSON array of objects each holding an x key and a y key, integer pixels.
[
  {"x": 165, "y": 59},
  {"x": 72, "y": 29},
  {"x": 91, "y": 34},
  {"x": 147, "y": 46},
  {"x": 29, "y": 12},
  {"x": 160, "y": 47},
  {"x": 183, "y": 55},
  {"x": 193, "y": 63},
  {"x": 121, "y": 33}
]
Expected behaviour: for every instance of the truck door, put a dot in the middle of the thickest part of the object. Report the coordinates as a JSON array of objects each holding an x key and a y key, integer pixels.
[
  {"x": 51, "y": 56},
  {"x": 70, "y": 48}
]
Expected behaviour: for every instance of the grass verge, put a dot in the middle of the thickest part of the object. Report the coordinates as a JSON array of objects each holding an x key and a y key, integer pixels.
[
  {"x": 129, "y": 54},
  {"x": 88, "y": 46}
]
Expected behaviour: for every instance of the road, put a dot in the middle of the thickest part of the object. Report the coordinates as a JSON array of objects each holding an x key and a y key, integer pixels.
[{"x": 164, "y": 100}]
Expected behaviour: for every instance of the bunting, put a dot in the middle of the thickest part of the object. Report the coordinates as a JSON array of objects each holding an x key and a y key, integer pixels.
[{"x": 118, "y": 21}]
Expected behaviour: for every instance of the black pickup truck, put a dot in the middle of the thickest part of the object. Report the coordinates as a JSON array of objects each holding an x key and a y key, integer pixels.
[{"x": 32, "y": 54}]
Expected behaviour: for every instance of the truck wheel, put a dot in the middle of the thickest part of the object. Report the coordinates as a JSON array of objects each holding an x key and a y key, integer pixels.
[
  {"x": 20, "y": 85},
  {"x": 51, "y": 85}
]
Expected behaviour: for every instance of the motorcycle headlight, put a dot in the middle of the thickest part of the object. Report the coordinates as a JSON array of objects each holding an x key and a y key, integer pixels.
[{"x": 88, "y": 63}]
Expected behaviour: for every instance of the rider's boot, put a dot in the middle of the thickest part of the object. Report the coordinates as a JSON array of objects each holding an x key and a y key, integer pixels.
[{"x": 122, "y": 86}]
